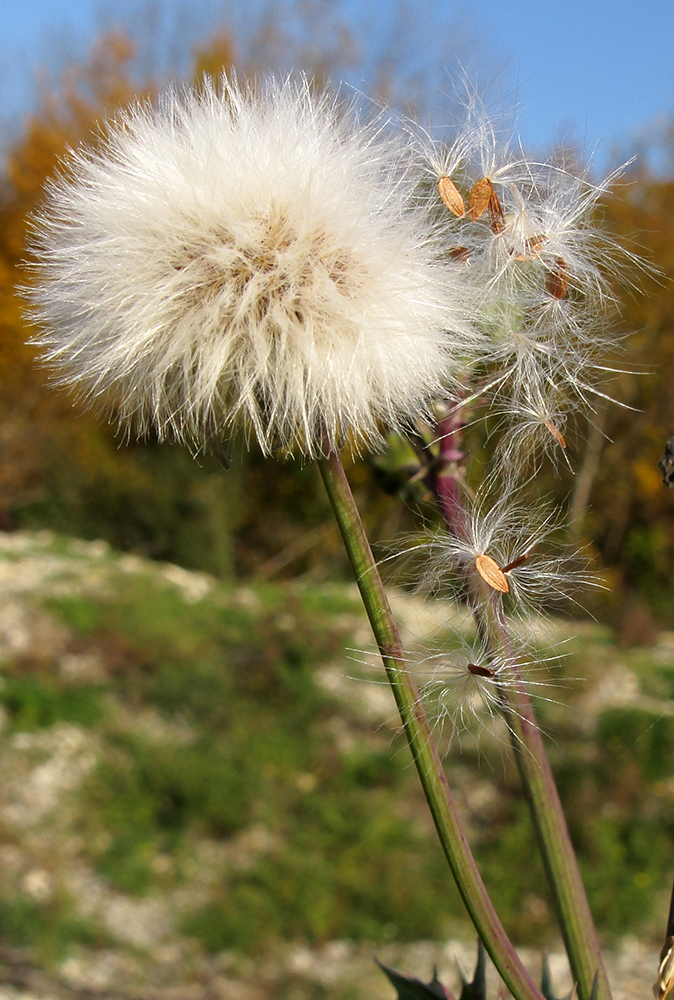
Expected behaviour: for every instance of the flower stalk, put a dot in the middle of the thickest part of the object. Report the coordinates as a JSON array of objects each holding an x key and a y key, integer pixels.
[
  {"x": 575, "y": 919},
  {"x": 419, "y": 736}
]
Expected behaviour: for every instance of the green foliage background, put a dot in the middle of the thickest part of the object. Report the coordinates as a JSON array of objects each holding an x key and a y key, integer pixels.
[{"x": 264, "y": 805}]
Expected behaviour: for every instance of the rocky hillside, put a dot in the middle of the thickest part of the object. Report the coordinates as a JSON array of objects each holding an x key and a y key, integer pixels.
[{"x": 204, "y": 792}]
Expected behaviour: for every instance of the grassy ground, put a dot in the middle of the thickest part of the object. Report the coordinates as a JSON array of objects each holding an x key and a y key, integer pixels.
[{"x": 199, "y": 773}]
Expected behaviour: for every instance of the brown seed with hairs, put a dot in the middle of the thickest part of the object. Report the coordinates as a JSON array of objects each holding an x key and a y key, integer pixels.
[
  {"x": 460, "y": 253},
  {"x": 496, "y": 216},
  {"x": 451, "y": 197},
  {"x": 556, "y": 433},
  {"x": 492, "y": 574},
  {"x": 532, "y": 248},
  {"x": 558, "y": 279},
  {"x": 480, "y": 196}
]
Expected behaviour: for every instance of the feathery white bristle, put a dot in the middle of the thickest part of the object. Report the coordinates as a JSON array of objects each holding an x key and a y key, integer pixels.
[
  {"x": 511, "y": 533},
  {"x": 246, "y": 256}
]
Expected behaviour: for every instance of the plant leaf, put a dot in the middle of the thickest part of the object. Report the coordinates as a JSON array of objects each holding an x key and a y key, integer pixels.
[
  {"x": 546, "y": 982},
  {"x": 409, "y": 988},
  {"x": 477, "y": 989}
]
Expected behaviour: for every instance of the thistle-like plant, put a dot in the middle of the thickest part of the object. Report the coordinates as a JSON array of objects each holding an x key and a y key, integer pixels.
[
  {"x": 538, "y": 266},
  {"x": 260, "y": 258}
]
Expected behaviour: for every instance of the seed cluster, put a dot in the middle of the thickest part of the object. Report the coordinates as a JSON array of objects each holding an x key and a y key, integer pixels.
[{"x": 536, "y": 269}]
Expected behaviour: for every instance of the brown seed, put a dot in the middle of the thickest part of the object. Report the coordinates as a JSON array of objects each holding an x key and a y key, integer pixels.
[
  {"x": 532, "y": 248},
  {"x": 496, "y": 216},
  {"x": 556, "y": 433},
  {"x": 479, "y": 198},
  {"x": 558, "y": 279},
  {"x": 478, "y": 671},
  {"x": 492, "y": 574},
  {"x": 460, "y": 253},
  {"x": 451, "y": 197}
]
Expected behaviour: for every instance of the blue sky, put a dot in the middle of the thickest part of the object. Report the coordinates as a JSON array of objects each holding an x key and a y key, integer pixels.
[
  {"x": 605, "y": 68},
  {"x": 598, "y": 71}
]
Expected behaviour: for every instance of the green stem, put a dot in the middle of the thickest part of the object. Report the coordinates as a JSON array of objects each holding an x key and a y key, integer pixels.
[
  {"x": 573, "y": 911},
  {"x": 559, "y": 858},
  {"x": 575, "y": 917},
  {"x": 420, "y": 738}
]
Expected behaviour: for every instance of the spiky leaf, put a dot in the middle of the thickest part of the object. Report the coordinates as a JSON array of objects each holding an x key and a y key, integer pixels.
[
  {"x": 477, "y": 989},
  {"x": 546, "y": 982},
  {"x": 409, "y": 988}
]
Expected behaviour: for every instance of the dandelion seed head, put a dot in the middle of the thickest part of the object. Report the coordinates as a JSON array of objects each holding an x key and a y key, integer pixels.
[{"x": 245, "y": 256}]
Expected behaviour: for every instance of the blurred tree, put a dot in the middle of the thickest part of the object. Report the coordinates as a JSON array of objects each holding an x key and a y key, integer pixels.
[
  {"x": 32, "y": 421},
  {"x": 629, "y": 511}
]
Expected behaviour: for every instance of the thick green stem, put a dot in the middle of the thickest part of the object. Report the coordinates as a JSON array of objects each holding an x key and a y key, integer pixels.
[{"x": 420, "y": 738}]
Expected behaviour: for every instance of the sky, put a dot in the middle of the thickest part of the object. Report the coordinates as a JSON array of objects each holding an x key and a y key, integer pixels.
[
  {"x": 599, "y": 72},
  {"x": 601, "y": 68}
]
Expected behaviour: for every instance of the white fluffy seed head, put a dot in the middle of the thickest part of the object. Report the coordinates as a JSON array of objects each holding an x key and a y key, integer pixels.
[{"x": 245, "y": 256}]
